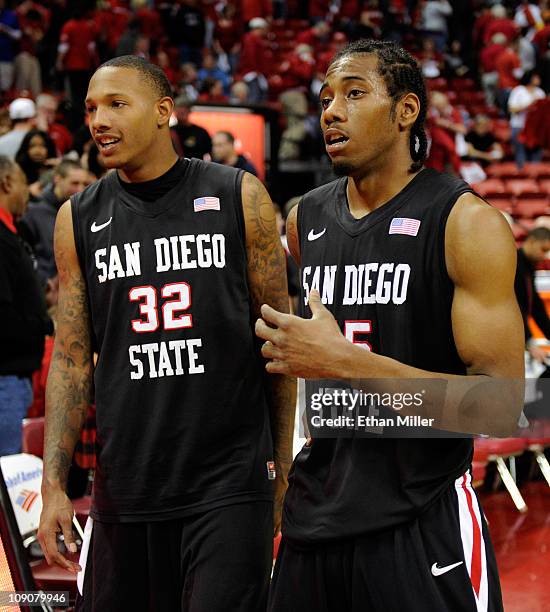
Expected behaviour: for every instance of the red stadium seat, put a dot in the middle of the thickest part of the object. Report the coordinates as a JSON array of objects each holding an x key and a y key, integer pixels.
[
  {"x": 523, "y": 187},
  {"x": 33, "y": 436},
  {"x": 501, "y": 202},
  {"x": 531, "y": 208},
  {"x": 544, "y": 185},
  {"x": 439, "y": 84},
  {"x": 474, "y": 98},
  {"x": 497, "y": 450},
  {"x": 537, "y": 170},
  {"x": 463, "y": 84},
  {"x": 490, "y": 186},
  {"x": 505, "y": 170},
  {"x": 502, "y": 130},
  {"x": 479, "y": 469}
]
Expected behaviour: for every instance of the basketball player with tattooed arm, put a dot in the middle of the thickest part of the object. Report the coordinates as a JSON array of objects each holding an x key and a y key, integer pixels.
[
  {"x": 163, "y": 267},
  {"x": 411, "y": 265}
]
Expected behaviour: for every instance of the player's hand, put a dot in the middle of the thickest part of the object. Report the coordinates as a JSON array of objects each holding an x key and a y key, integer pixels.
[
  {"x": 57, "y": 515},
  {"x": 305, "y": 348}
]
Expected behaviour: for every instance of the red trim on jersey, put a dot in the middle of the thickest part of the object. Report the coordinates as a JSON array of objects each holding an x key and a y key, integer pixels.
[{"x": 475, "y": 574}]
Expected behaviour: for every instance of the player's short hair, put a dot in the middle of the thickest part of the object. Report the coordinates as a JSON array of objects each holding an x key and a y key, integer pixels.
[
  {"x": 541, "y": 234},
  {"x": 228, "y": 135},
  {"x": 153, "y": 74},
  {"x": 65, "y": 166},
  {"x": 402, "y": 75}
]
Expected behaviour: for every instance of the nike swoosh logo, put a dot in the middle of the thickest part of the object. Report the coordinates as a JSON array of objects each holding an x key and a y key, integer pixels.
[
  {"x": 313, "y": 236},
  {"x": 96, "y": 228},
  {"x": 438, "y": 571}
]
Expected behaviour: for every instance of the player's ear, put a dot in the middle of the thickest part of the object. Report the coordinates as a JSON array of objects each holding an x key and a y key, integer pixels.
[
  {"x": 165, "y": 106},
  {"x": 408, "y": 109}
]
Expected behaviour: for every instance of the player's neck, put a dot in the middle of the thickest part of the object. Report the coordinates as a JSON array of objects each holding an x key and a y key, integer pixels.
[
  {"x": 374, "y": 189},
  {"x": 159, "y": 165}
]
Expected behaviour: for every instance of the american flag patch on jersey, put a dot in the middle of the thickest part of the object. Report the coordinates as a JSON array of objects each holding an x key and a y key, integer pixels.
[
  {"x": 404, "y": 225},
  {"x": 206, "y": 203}
]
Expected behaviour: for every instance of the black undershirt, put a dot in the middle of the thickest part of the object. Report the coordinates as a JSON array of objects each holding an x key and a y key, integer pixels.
[{"x": 150, "y": 191}]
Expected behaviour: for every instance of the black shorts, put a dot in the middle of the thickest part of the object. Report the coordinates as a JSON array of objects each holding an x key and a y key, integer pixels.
[
  {"x": 441, "y": 562},
  {"x": 218, "y": 561}
]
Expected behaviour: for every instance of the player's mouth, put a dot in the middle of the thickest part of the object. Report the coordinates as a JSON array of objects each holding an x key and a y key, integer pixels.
[
  {"x": 107, "y": 144},
  {"x": 335, "y": 141}
]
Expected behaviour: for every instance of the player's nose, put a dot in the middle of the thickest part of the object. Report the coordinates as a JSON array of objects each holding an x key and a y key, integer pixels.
[
  {"x": 335, "y": 111},
  {"x": 100, "y": 119}
]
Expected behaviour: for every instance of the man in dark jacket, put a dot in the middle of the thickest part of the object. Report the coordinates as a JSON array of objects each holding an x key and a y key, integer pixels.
[
  {"x": 533, "y": 251},
  {"x": 37, "y": 226},
  {"x": 223, "y": 152},
  {"x": 25, "y": 322}
]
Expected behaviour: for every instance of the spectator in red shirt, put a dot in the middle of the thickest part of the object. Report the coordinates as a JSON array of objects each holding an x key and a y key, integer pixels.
[
  {"x": 46, "y": 109},
  {"x": 508, "y": 67},
  {"x": 488, "y": 67},
  {"x": 302, "y": 66},
  {"x": 228, "y": 33},
  {"x": 542, "y": 37},
  {"x": 316, "y": 37},
  {"x": 500, "y": 23},
  {"x": 111, "y": 22},
  {"x": 255, "y": 64},
  {"x": 77, "y": 57}
]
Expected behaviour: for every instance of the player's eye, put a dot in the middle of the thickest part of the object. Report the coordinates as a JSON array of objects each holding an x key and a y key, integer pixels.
[
  {"x": 116, "y": 104},
  {"x": 325, "y": 103},
  {"x": 355, "y": 93},
  {"x": 90, "y": 109}
]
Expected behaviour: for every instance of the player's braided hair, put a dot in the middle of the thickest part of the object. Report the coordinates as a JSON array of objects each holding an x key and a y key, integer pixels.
[{"x": 402, "y": 75}]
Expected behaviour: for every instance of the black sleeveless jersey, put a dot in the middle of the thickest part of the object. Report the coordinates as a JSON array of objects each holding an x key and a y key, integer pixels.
[
  {"x": 383, "y": 276},
  {"x": 182, "y": 417}
]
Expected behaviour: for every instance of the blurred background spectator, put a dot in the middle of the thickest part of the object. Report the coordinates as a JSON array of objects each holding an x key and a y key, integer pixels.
[
  {"x": 36, "y": 156},
  {"x": 223, "y": 152},
  {"x": 37, "y": 225},
  {"x": 521, "y": 99},
  {"x": 22, "y": 113},
  {"x": 189, "y": 139},
  {"x": 22, "y": 308}
]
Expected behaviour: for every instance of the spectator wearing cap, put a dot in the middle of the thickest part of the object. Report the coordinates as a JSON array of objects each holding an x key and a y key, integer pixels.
[
  {"x": 10, "y": 33},
  {"x": 23, "y": 116},
  {"x": 189, "y": 140},
  {"x": 37, "y": 225},
  {"x": 223, "y": 152},
  {"x": 25, "y": 322},
  {"x": 254, "y": 63}
]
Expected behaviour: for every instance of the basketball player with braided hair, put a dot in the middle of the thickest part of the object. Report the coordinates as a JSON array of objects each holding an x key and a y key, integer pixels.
[{"x": 409, "y": 264}]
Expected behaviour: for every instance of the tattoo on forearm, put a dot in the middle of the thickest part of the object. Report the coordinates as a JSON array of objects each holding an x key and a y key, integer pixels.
[
  {"x": 68, "y": 392},
  {"x": 268, "y": 285}
]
